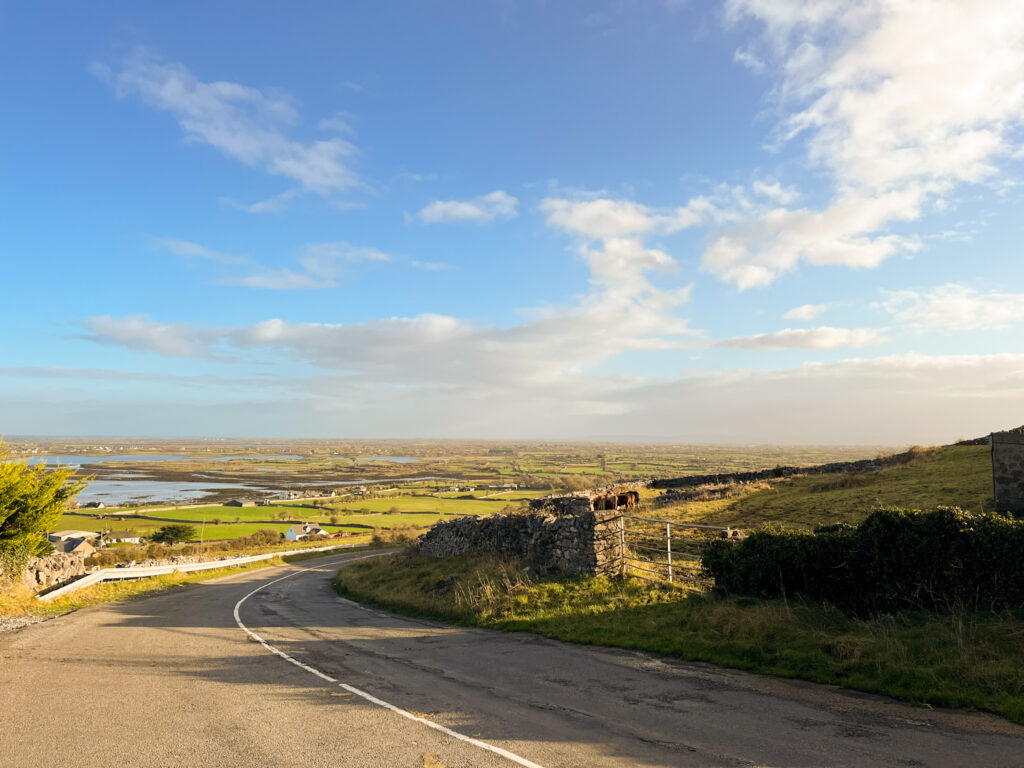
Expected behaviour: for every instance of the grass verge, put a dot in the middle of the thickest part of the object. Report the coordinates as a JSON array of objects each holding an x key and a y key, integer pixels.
[{"x": 965, "y": 660}]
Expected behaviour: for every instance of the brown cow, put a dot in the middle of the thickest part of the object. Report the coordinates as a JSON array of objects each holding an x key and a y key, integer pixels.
[{"x": 629, "y": 499}]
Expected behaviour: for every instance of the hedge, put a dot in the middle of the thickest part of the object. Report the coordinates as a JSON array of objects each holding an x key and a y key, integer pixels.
[{"x": 893, "y": 559}]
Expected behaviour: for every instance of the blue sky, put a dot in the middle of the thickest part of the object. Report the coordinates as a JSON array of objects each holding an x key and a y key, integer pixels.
[{"x": 623, "y": 219}]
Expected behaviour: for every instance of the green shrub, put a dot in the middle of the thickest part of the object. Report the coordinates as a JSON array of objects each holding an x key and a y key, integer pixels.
[{"x": 893, "y": 559}]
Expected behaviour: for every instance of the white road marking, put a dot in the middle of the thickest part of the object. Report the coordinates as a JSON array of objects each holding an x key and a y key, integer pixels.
[{"x": 363, "y": 694}]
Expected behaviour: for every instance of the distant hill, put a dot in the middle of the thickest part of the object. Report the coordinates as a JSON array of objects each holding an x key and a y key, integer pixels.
[{"x": 959, "y": 475}]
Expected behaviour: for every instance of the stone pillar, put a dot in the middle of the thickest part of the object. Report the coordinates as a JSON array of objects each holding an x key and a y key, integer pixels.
[{"x": 1008, "y": 471}]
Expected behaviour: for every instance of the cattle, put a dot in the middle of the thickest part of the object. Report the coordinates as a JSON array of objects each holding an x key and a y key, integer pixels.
[
  {"x": 612, "y": 501},
  {"x": 629, "y": 500}
]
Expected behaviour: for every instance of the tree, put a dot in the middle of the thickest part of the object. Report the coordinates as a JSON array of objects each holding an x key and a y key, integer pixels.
[
  {"x": 32, "y": 499},
  {"x": 174, "y": 533}
]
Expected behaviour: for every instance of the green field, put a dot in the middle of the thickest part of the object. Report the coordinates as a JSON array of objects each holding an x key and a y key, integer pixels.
[
  {"x": 416, "y": 511},
  {"x": 955, "y": 476},
  {"x": 210, "y": 532},
  {"x": 427, "y": 508}
]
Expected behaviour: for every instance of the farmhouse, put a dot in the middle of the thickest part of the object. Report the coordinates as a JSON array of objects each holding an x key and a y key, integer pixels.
[
  {"x": 298, "y": 532},
  {"x": 76, "y": 547},
  {"x": 73, "y": 542},
  {"x": 122, "y": 537},
  {"x": 239, "y": 503}
]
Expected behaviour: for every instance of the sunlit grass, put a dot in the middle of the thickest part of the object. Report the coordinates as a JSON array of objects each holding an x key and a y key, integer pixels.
[{"x": 956, "y": 476}]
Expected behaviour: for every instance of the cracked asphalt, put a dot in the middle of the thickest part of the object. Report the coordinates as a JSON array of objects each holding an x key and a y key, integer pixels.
[{"x": 171, "y": 680}]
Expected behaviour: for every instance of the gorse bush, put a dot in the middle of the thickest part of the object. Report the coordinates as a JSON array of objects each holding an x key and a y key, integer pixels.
[
  {"x": 32, "y": 499},
  {"x": 893, "y": 559}
]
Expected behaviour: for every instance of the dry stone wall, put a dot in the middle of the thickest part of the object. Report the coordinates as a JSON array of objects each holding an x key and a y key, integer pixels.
[
  {"x": 1008, "y": 471},
  {"x": 566, "y": 538},
  {"x": 57, "y": 568},
  {"x": 60, "y": 568}
]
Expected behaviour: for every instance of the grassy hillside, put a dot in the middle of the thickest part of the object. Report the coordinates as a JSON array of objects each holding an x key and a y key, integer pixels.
[{"x": 953, "y": 476}]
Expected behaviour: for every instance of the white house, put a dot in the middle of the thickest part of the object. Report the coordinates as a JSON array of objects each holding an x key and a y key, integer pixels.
[
  {"x": 299, "y": 532},
  {"x": 122, "y": 537}
]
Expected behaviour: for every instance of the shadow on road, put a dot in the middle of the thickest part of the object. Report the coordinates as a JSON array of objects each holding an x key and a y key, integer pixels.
[{"x": 507, "y": 687}]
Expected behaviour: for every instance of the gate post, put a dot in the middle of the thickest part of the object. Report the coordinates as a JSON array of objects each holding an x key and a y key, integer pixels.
[
  {"x": 622, "y": 544},
  {"x": 668, "y": 543}
]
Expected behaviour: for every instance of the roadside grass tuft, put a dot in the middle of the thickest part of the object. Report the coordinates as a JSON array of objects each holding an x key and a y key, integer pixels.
[{"x": 961, "y": 659}]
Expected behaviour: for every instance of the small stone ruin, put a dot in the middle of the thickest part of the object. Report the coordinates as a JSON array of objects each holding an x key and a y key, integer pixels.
[
  {"x": 1008, "y": 470},
  {"x": 561, "y": 535}
]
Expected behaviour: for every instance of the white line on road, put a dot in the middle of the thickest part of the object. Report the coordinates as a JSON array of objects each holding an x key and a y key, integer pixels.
[{"x": 369, "y": 697}]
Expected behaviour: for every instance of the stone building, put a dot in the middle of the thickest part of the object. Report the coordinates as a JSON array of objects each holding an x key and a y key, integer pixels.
[{"x": 1008, "y": 470}]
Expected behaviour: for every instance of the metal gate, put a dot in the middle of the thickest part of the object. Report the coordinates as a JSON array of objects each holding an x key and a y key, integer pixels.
[{"x": 662, "y": 550}]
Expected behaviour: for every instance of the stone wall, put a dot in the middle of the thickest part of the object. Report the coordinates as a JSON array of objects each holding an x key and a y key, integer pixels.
[
  {"x": 57, "y": 568},
  {"x": 1008, "y": 471},
  {"x": 563, "y": 539},
  {"x": 850, "y": 467}
]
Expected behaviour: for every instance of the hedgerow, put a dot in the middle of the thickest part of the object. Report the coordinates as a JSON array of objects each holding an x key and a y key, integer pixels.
[{"x": 892, "y": 560}]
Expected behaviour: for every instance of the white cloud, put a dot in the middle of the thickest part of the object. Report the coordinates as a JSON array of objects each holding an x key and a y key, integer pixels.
[
  {"x": 899, "y": 102},
  {"x": 321, "y": 264},
  {"x": 242, "y": 122},
  {"x": 430, "y": 266},
  {"x": 606, "y": 218},
  {"x": 480, "y": 210},
  {"x": 622, "y": 312},
  {"x": 190, "y": 250},
  {"x": 339, "y": 122},
  {"x": 805, "y": 312},
  {"x": 599, "y": 218},
  {"x": 141, "y": 333},
  {"x": 955, "y": 307},
  {"x": 895, "y": 400},
  {"x": 774, "y": 191},
  {"x": 281, "y": 280},
  {"x": 824, "y": 337},
  {"x": 274, "y": 204}
]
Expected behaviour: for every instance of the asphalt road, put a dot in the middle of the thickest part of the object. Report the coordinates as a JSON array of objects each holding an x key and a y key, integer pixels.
[{"x": 175, "y": 680}]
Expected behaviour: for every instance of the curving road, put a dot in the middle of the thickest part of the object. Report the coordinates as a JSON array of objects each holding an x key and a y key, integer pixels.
[{"x": 271, "y": 668}]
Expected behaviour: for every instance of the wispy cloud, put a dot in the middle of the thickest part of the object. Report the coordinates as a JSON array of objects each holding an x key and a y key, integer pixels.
[
  {"x": 955, "y": 307},
  {"x": 430, "y": 266},
  {"x": 244, "y": 123},
  {"x": 480, "y": 210},
  {"x": 622, "y": 312},
  {"x": 140, "y": 333},
  {"x": 190, "y": 250},
  {"x": 319, "y": 266},
  {"x": 824, "y": 337},
  {"x": 805, "y": 312},
  {"x": 274, "y": 204}
]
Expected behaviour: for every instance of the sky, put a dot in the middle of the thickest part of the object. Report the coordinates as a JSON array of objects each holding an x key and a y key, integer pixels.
[{"x": 760, "y": 221}]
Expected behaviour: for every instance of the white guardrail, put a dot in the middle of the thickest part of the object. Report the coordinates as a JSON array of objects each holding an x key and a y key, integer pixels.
[{"x": 123, "y": 574}]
